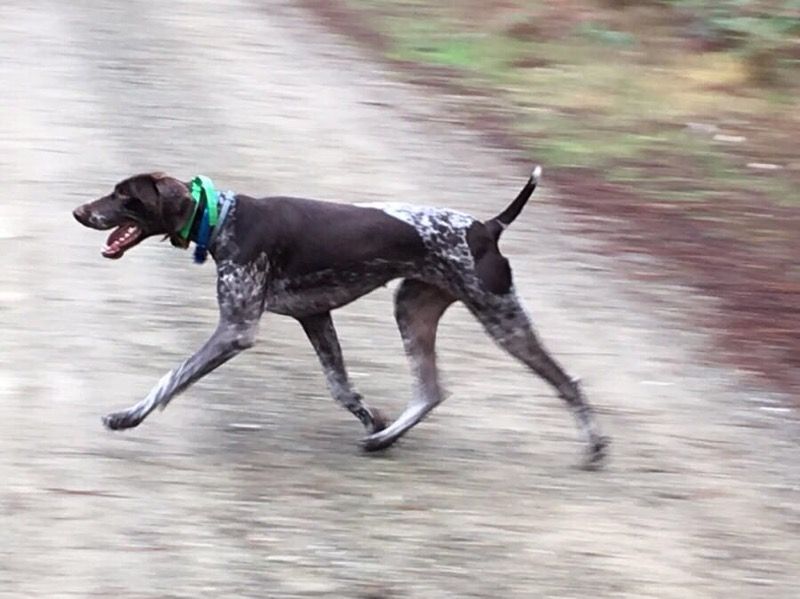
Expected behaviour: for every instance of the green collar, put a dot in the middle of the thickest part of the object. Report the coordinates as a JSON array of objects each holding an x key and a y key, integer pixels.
[{"x": 202, "y": 188}]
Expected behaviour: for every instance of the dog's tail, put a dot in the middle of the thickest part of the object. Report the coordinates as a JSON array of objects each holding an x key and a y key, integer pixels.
[{"x": 498, "y": 224}]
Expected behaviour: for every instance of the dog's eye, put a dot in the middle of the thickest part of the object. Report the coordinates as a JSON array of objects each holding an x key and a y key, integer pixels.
[{"x": 133, "y": 205}]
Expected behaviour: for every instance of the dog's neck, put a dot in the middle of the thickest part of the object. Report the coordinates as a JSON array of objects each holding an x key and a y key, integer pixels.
[
  {"x": 210, "y": 211},
  {"x": 227, "y": 201}
]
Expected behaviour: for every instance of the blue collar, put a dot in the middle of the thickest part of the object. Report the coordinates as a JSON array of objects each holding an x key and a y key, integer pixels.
[{"x": 206, "y": 232}]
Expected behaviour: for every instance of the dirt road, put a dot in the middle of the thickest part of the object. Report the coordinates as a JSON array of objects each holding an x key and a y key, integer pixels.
[{"x": 251, "y": 485}]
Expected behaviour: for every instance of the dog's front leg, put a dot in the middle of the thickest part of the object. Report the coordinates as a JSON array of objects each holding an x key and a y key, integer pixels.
[{"x": 229, "y": 339}]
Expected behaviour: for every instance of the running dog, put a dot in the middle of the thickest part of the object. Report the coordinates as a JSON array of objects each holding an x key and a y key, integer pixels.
[{"x": 304, "y": 258}]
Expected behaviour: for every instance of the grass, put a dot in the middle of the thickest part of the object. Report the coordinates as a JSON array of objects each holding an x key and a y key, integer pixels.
[{"x": 611, "y": 85}]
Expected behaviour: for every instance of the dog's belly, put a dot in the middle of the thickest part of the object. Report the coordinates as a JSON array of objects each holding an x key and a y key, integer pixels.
[{"x": 326, "y": 290}]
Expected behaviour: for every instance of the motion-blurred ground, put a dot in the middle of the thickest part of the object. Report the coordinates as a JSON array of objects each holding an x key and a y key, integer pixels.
[{"x": 250, "y": 485}]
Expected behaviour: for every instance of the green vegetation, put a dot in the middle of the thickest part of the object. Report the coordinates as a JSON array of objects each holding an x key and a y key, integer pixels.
[{"x": 699, "y": 89}]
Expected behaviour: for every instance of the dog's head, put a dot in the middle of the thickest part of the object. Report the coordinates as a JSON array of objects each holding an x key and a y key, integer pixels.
[{"x": 139, "y": 207}]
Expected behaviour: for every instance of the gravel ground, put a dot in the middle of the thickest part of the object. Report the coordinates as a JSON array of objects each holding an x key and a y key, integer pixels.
[{"x": 251, "y": 484}]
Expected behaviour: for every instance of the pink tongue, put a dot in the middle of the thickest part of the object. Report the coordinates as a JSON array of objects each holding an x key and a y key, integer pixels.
[{"x": 119, "y": 236}]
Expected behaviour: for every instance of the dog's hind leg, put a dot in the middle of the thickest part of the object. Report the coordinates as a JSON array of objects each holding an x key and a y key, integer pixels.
[
  {"x": 228, "y": 340},
  {"x": 418, "y": 308},
  {"x": 506, "y": 321},
  {"x": 322, "y": 334}
]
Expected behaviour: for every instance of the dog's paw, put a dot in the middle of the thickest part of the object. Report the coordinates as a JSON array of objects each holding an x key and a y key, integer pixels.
[
  {"x": 119, "y": 421},
  {"x": 596, "y": 454},
  {"x": 377, "y": 442}
]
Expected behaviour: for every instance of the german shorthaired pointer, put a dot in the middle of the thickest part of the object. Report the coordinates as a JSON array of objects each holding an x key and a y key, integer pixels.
[{"x": 304, "y": 258}]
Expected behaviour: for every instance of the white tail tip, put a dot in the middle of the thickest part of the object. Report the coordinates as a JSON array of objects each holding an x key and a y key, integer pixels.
[{"x": 536, "y": 174}]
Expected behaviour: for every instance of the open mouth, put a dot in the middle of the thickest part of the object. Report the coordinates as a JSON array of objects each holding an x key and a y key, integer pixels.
[{"x": 121, "y": 239}]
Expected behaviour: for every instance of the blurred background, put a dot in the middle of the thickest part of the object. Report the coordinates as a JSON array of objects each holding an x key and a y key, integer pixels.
[{"x": 659, "y": 261}]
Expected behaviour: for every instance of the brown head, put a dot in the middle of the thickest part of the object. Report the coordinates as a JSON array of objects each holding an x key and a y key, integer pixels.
[{"x": 139, "y": 207}]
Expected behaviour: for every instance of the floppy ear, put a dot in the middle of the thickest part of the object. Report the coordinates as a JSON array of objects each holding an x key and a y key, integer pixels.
[{"x": 175, "y": 204}]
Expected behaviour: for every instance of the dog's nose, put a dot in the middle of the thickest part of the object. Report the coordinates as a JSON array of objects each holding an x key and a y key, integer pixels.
[{"x": 80, "y": 214}]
